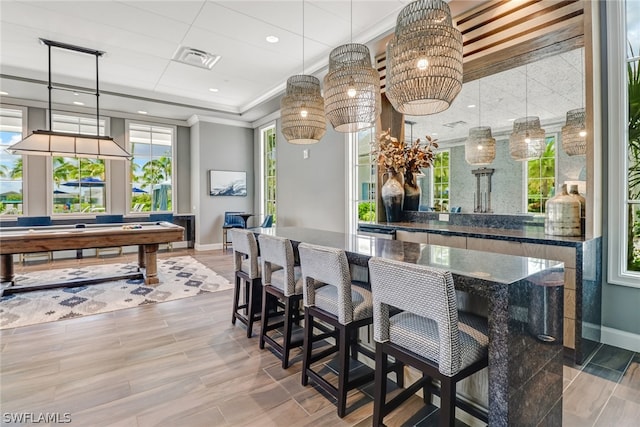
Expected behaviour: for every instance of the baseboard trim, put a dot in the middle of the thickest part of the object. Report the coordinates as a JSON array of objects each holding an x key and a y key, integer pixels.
[
  {"x": 621, "y": 339},
  {"x": 209, "y": 247}
]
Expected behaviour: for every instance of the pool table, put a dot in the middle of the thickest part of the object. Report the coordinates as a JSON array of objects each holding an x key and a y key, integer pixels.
[{"x": 147, "y": 236}]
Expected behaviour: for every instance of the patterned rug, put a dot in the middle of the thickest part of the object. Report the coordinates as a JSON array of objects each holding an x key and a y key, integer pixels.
[{"x": 180, "y": 277}]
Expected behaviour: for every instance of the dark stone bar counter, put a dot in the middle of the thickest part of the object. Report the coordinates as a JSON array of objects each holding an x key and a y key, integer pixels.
[
  {"x": 524, "y": 236},
  {"x": 525, "y": 297}
]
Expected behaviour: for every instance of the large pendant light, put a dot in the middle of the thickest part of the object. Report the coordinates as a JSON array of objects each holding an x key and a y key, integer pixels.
[
  {"x": 351, "y": 88},
  {"x": 527, "y": 141},
  {"x": 480, "y": 147},
  {"x": 574, "y": 132},
  {"x": 64, "y": 144},
  {"x": 424, "y": 59},
  {"x": 302, "y": 107}
]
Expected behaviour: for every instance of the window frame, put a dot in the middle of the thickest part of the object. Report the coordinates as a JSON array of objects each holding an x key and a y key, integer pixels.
[
  {"x": 174, "y": 187},
  {"x": 525, "y": 173},
  {"x": 25, "y": 159},
  {"x": 354, "y": 199},
  {"x": 433, "y": 180},
  {"x": 263, "y": 170},
  {"x": 615, "y": 64},
  {"x": 49, "y": 167}
]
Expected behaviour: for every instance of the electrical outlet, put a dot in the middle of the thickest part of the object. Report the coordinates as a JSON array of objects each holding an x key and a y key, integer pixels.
[
  {"x": 443, "y": 217},
  {"x": 305, "y": 153}
]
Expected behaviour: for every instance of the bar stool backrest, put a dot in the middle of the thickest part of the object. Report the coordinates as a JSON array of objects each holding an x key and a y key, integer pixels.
[
  {"x": 326, "y": 266},
  {"x": 245, "y": 248},
  {"x": 421, "y": 290},
  {"x": 278, "y": 251}
]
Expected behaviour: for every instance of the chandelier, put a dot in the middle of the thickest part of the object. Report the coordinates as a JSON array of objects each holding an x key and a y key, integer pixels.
[
  {"x": 527, "y": 141},
  {"x": 480, "y": 147},
  {"x": 66, "y": 144},
  {"x": 351, "y": 89},
  {"x": 424, "y": 59},
  {"x": 574, "y": 132},
  {"x": 302, "y": 107}
]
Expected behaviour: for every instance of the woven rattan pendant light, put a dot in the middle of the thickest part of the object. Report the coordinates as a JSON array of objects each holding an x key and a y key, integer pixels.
[
  {"x": 351, "y": 88},
  {"x": 302, "y": 107},
  {"x": 480, "y": 147},
  {"x": 527, "y": 141},
  {"x": 424, "y": 59},
  {"x": 574, "y": 132}
]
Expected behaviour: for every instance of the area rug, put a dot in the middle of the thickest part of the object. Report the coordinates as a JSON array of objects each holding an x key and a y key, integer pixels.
[{"x": 180, "y": 277}]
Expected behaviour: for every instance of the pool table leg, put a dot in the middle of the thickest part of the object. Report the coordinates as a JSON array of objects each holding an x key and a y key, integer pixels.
[
  {"x": 141, "y": 260},
  {"x": 151, "y": 274},
  {"x": 6, "y": 268}
]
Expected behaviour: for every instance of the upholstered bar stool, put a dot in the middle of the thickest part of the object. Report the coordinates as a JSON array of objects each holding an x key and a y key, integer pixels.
[
  {"x": 247, "y": 268},
  {"x": 430, "y": 334},
  {"x": 281, "y": 281},
  {"x": 331, "y": 296}
]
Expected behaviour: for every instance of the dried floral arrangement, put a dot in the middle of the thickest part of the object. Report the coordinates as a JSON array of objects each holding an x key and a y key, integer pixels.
[{"x": 397, "y": 156}]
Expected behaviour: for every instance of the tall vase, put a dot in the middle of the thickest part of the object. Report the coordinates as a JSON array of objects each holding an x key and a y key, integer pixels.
[
  {"x": 393, "y": 196},
  {"x": 411, "y": 192}
]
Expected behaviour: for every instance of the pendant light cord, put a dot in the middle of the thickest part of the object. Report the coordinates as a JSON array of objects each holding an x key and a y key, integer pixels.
[
  {"x": 479, "y": 106},
  {"x": 351, "y": 20},
  {"x": 302, "y": 36},
  {"x": 526, "y": 93}
]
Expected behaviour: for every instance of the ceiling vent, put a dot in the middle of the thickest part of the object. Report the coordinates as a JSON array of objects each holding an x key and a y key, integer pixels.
[
  {"x": 455, "y": 124},
  {"x": 197, "y": 58}
]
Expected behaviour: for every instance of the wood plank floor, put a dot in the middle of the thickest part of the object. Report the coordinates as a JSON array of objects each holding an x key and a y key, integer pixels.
[{"x": 183, "y": 363}]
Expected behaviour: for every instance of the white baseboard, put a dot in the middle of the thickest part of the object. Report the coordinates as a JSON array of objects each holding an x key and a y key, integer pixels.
[
  {"x": 209, "y": 247},
  {"x": 621, "y": 339}
]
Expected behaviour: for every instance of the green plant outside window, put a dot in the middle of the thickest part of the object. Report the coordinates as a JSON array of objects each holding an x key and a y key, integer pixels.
[
  {"x": 441, "y": 181},
  {"x": 541, "y": 178},
  {"x": 270, "y": 164}
]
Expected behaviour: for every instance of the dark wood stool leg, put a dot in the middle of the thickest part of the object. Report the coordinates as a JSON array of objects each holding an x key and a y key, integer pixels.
[
  {"x": 426, "y": 388},
  {"x": 286, "y": 339},
  {"x": 447, "y": 403},
  {"x": 307, "y": 345},
  {"x": 265, "y": 319},
  {"x": 251, "y": 307},
  {"x": 344, "y": 339},
  {"x": 380, "y": 393},
  {"x": 236, "y": 298}
]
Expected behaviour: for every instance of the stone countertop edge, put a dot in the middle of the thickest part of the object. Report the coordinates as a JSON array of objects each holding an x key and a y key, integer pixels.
[{"x": 523, "y": 236}]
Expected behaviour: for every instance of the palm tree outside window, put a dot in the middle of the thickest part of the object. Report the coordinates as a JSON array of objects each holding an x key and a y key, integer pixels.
[
  {"x": 151, "y": 172},
  {"x": 11, "y": 190}
]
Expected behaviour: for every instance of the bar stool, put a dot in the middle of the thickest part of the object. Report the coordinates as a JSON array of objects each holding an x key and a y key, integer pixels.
[
  {"x": 430, "y": 334},
  {"x": 281, "y": 281},
  {"x": 331, "y": 296},
  {"x": 247, "y": 268}
]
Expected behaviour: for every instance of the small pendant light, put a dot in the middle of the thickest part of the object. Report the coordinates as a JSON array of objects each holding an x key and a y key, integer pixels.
[
  {"x": 527, "y": 141},
  {"x": 480, "y": 148}
]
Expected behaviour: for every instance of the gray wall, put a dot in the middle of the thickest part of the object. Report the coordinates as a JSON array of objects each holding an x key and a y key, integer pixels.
[
  {"x": 219, "y": 147},
  {"x": 312, "y": 192},
  {"x": 35, "y": 168},
  {"x": 182, "y": 173}
]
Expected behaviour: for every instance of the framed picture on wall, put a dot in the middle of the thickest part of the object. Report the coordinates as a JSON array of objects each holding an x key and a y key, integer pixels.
[{"x": 227, "y": 183}]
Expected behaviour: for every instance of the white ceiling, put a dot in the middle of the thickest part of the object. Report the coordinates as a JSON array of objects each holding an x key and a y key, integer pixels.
[{"x": 140, "y": 38}]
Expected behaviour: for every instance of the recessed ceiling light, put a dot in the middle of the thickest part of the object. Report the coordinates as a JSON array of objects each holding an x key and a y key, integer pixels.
[
  {"x": 76, "y": 94},
  {"x": 434, "y": 134},
  {"x": 78, "y": 103},
  {"x": 3, "y": 92},
  {"x": 213, "y": 89},
  {"x": 142, "y": 112},
  {"x": 272, "y": 39},
  {"x": 511, "y": 120},
  {"x": 471, "y": 106}
]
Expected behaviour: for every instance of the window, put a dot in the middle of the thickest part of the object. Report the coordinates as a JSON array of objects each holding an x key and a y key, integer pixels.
[
  {"x": 363, "y": 187},
  {"x": 623, "y": 48},
  {"x": 151, "y": 167},
  {"x": 541, "y": 178},
  {"x": 269, "y": 171},
  {"x": 441, "y": 181},
  {"x": 11, "y": 192},
  {"x": 78, "y": 184}
]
